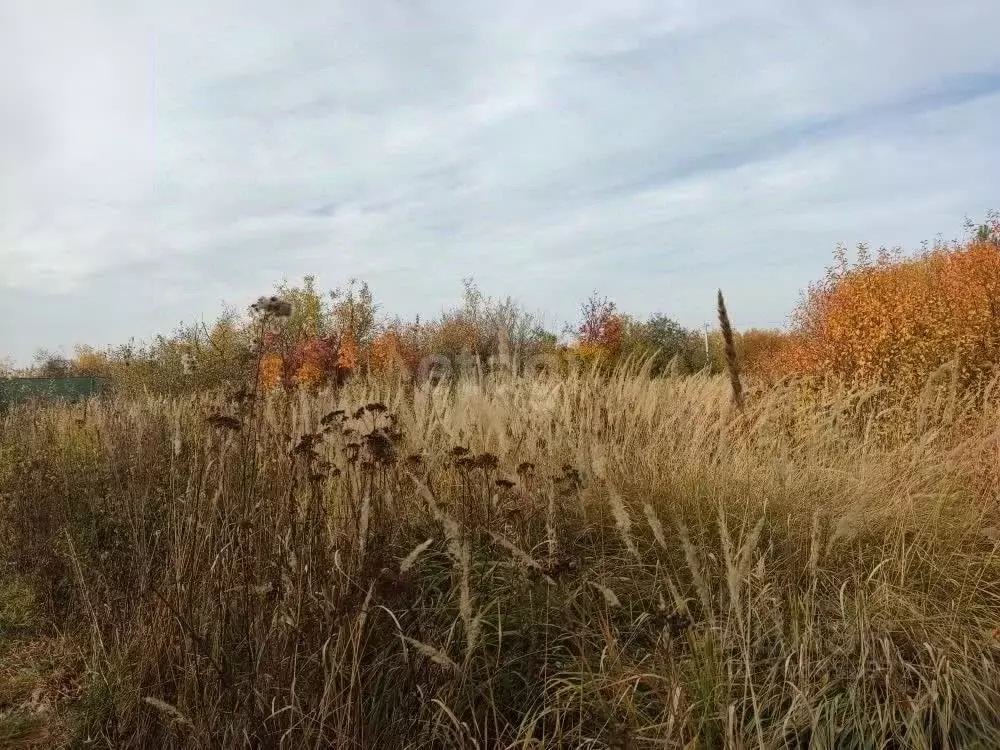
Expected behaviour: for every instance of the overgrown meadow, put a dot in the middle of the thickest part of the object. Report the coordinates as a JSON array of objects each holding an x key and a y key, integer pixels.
[{"x": 620, "y": 554}]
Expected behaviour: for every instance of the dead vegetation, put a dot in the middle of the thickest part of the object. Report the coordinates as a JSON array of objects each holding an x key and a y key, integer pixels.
[{"x": 635, "y": 562}]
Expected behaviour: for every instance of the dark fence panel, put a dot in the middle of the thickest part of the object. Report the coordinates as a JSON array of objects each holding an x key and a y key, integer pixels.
[{"x": 22, "y": 390}]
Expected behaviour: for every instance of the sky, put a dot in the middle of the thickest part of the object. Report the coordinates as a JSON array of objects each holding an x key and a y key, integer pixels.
[{"x": 160, "y": 160}]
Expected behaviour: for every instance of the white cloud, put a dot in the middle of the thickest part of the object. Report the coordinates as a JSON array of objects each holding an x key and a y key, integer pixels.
[{"x": 653, "y": 150}]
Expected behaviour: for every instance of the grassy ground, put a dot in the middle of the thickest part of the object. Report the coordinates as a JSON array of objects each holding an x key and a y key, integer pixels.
[
  {"x": 38, "y": 673},
  {"x": 578, "y": 563}
]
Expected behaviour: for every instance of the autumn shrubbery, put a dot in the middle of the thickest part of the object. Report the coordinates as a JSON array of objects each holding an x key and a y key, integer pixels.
[
  {"x": 327, "y": 339},
  {"x": 891, "y": 319},
  {"x": 885, "y": 319}
]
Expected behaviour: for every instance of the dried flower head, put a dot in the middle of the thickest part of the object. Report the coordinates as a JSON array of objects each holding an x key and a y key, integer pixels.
[
  {"x": 272, "y": 306},
  {"x": 674, "y": 622},
  {"x": 307, "y": 445},
  {"x": 224, "y": 422},
  {"x": 380, "y": 447},
  {"x": 555, "y": 565},
  {"x": 353, "y": 451},
  {"x": 336, "y": 414},
  {"x": 241, "y": 397},
  {"x": 570, "y": 478},
  {"x": 486, "y": 462}
]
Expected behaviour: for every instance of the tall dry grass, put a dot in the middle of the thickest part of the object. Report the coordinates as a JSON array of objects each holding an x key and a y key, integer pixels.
[{"x": 575, "y": 562}]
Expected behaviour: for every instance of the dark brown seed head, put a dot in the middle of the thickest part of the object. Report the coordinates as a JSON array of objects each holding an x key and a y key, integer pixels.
[
  {"x": 556, "y": 566},
  {"x": 224, "y": 422},
  {"x": 674, "y": 622},
  {"x": 380, "y": 447},
  {"x": 732, "y": 362},
  {"x": 241, "y": 397},
  {"x": 353, "y": 451},
  {"x": 307, "y": 444},
  {"x": 486, "y": 461}
]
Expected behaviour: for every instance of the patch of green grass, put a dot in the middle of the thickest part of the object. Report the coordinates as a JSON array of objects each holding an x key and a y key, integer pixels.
[
  {"x": 29, "y": 668},
  {"x": 17, "y": 607},
  {"x": 20, "y": 730}
]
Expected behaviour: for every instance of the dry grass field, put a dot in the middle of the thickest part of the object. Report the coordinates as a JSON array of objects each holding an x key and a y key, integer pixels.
[{"x": 591, "y": 561}]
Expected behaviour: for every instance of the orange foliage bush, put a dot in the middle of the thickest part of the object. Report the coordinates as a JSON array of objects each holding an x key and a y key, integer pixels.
[
  {"x": 384, "y": 351},
  {"x": 895, "y": 320},
  {"x": 588, "y": 352},
  {"x": 271, "y": 368},
  {"x": 391, "y": 353},
  {"x": 347, "y": 354},
  {"x": 313, "y": 361},
  {"x": 762, "y": 352},
  {"x": 309, "y": 374}
]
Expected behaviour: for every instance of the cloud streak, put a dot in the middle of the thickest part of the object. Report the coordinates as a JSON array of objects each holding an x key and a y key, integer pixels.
[{"x": 154, "y": 161}]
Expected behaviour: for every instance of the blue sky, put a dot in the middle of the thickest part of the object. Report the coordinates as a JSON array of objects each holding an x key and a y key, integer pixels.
[{"x": 157, "y": 162}]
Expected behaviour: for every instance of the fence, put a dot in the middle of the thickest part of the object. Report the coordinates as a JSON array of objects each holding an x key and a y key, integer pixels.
[{"x": 22, "y": 390}]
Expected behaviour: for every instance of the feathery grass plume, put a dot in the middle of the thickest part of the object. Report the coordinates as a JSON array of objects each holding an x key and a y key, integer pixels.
[
  {"x": 363, "y": 522},
  {"x": 167, "y": 709},
  {"x": 623, "y": 522},
  {"x": 472, "y": 623},
  {"x": 598, "y": 460},
  {"x": 550, "y": 523},
  {"x": 814, "y": 545},
  {"x": 737, "y": 561},
  {"x": 655, "y": 525},
  {"x": 411, "y": 558},
  {"x": 459, "y": 551},
  {"x": 522, "y": 557},
  {"x": 436, "y": 655},
  {"x": 694, "y": 567},
  {"x": 847, "y": 527},
  {"x": 610, "y": 598},
  {"x": 732, "y": 363}
]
